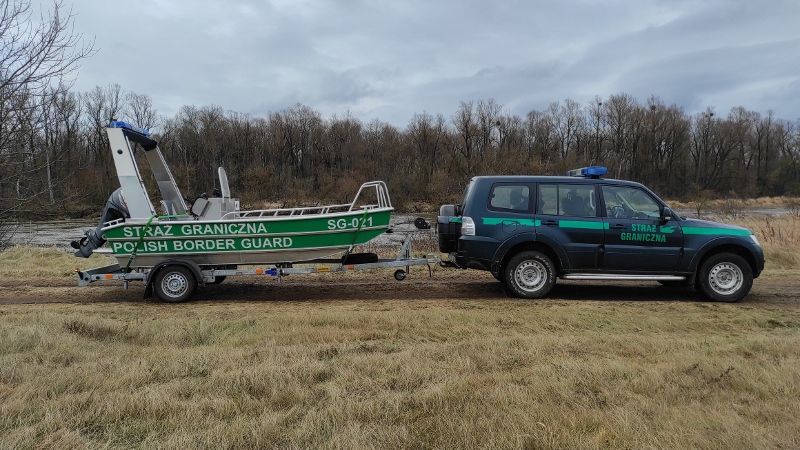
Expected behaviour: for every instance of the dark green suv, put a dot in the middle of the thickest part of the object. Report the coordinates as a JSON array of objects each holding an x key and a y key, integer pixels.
[{"x": 529, "y": 230}]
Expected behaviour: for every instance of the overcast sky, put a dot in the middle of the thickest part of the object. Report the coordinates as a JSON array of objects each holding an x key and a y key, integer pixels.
[{"x": 392, "y": 59}]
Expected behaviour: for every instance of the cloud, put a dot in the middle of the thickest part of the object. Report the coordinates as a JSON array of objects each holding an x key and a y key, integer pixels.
[{"x": 389, "y": 60}]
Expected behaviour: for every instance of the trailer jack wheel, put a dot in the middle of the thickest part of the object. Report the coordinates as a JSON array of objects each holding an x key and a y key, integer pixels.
[{"x": 399, "y": 274}]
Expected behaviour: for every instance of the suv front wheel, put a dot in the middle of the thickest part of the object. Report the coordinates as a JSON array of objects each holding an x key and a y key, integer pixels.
[
  {"x": 530, "y": 274},
  {"x": 725, "y": 277}
]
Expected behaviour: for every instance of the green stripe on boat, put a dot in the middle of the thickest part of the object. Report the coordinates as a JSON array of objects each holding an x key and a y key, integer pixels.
[
  {"x": 243, "y": 244},
  {"x": 282, "y": 225}
]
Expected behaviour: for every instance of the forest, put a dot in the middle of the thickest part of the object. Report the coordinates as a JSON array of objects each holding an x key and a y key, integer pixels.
[{"x": 55, "y": 159}]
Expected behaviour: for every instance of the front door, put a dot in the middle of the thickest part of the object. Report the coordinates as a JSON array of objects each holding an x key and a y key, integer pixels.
[{"x": 636, "y": 239}]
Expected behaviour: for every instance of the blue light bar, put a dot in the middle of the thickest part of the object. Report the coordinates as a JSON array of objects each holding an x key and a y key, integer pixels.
[
  {"x": 591, "y": 172},
  {"x": 127, "y": 126}
]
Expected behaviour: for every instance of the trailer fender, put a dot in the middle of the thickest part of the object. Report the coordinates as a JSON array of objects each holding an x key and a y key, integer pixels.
[{"x": 198, "y": 274}]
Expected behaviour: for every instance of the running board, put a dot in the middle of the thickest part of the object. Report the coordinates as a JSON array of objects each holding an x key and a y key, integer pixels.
[{"x": 618, "y": 277}]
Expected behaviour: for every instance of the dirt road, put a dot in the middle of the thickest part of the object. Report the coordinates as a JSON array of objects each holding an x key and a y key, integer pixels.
[{"x": 450, "y": 285}]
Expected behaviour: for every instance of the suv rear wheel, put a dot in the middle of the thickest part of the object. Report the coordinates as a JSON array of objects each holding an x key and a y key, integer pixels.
[
  {"x": 725, "y": 277},
  {"x": 530, "y": 274}
]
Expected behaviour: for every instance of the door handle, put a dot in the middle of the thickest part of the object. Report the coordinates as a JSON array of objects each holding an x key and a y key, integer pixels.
[
  {"x": 618, "y": 226},
  {"x": 549, "y": 223}
]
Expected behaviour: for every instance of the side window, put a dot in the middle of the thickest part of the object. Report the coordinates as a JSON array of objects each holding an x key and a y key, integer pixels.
[
  {"x": 576, "y": 200},
  {"x": 509, "y": 197},
  {"x": 548, "y": 199},
  {"x": 624, "y": 202},
  {"x": 567, "y": 200}
]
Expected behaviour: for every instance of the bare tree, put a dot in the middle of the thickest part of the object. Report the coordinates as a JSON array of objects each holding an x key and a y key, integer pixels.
[
  {"x": 37, "y": 55},
  {"x": 139, "y": 109},
  {"x": 37, "y": 60}
]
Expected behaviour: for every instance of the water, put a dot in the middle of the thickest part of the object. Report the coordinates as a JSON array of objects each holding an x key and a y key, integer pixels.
[{"x": 56, "y": 234}]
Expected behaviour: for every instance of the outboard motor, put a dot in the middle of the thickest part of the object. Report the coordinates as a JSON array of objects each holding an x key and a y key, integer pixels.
[{"x": 115, "y": 209}]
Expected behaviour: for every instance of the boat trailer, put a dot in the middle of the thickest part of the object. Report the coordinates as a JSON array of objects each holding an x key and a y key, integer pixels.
[
  {"x": 200, "y": 242},
  {"x": 175, "y": 280}
]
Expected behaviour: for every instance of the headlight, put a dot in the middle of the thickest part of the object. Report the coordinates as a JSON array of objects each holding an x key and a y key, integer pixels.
[
  {"x": 467, "y": 226},
  {"x": 755, "y": 240}
]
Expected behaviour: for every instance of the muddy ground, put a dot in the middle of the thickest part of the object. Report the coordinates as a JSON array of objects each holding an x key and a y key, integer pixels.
[{"x": 449, "y": 284}]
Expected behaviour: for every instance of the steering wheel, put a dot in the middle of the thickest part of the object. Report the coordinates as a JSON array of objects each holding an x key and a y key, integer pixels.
[{"x": 616, "y": 212}]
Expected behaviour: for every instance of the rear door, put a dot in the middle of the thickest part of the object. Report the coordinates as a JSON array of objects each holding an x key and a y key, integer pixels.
[
  {"x": 509, "y": 209},
  {"x": 635, "y": 238},
  {"x": 566, "y": 215}
]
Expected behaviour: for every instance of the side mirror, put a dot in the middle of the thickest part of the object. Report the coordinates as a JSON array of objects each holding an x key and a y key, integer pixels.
[{"x": 666, "y": 214}]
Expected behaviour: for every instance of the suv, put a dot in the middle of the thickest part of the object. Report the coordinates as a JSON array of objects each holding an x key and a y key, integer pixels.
[{"x": 528, "y": 230}]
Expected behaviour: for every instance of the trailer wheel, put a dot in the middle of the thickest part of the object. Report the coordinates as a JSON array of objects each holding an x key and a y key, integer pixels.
[
  {"x": 399, "y": 274},
  {"x": 175, "y": 284},
  {"x": 218, "y": 279}
]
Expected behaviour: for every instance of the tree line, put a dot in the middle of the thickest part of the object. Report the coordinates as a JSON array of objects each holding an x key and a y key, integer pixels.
[{"x": 55, "y": 158}]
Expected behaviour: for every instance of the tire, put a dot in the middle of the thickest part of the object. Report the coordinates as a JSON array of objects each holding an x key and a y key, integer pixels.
[
  {"x": 175, "y": 284},
  {"x": 530, "y": 274},
  {"x": 725, "y": 277},
  {"x": 218, "y": 279}
]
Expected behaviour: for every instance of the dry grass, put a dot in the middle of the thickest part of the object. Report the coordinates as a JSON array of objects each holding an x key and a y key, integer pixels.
[
  {"x": 779, "y": 237},
  {"x": 478, "y": 373},
  {"x": 422, "y": 374},
  {"x": 29, "y": 262},
  {"x": 719, "y": 203}
]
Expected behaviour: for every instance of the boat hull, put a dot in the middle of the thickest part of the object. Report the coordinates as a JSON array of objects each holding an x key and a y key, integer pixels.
[{"x": 264, "y": 240}]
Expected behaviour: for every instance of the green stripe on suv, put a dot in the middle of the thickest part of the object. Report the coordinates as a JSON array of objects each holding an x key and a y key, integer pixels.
[
  {"x": 499, "y": 220},
  {"x": 715, "y": 231},
  {"x": 596, "y": 225},
  {"x": 583, "y": 224}
]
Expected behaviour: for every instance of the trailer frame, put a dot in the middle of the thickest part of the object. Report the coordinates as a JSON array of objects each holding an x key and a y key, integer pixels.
[{"x": 214, "y": 275}]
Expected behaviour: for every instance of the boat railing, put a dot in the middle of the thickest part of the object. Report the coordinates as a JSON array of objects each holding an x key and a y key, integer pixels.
[
  {"x": 113, "y": 222},
  {"x": 381, "y": 196}
]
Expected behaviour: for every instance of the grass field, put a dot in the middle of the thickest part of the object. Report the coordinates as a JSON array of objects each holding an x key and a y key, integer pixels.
[
  {"x": 406, "y": 373},
  {"x": 487, "y": 373}
]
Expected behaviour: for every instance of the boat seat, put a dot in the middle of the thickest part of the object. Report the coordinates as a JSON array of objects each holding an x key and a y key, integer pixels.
[
  {"x": 200, "y": 206},
  {"x": 223, "y": 183}
]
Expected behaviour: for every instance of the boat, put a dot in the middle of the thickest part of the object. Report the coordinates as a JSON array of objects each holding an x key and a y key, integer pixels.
[{"x": 212, "y": 231}]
